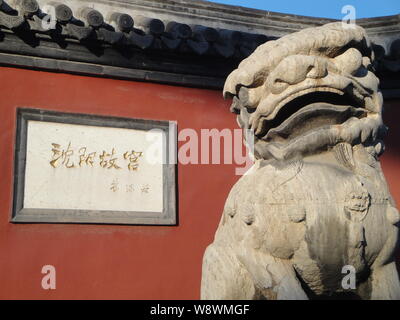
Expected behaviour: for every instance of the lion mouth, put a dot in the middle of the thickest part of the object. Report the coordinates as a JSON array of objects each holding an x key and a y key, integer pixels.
[{"x": 311, "y": 109}]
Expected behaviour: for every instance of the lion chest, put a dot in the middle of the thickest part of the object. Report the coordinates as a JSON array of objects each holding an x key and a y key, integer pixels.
[{"x": 340, "y": 216}]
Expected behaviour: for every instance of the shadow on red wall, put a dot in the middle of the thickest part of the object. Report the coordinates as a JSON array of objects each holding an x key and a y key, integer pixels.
[{"x": 391, "y": 158}]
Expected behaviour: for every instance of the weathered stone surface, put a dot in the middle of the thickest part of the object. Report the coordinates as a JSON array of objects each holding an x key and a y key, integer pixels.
[{"x": 316, "y": 199}]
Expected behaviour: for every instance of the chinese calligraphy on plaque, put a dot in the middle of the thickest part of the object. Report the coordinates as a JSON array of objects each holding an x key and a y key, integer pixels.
[
  {"x": 77, "y": 168},
  {"x": 81, "y": 167},
  {"x": 83, "y": 157}
]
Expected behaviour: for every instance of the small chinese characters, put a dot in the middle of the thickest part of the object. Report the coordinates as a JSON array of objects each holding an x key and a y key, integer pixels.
[
  {"x": 145, "y": 188},
  {"x": 83, "y": 157},
  {"x": 116, "y": 186}
]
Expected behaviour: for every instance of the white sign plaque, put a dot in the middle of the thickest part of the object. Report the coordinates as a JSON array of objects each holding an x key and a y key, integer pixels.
[{"x": 88, "y": 169}]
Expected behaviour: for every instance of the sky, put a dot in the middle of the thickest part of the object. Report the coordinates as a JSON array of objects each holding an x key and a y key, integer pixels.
[{"x": 322, "y": 8}]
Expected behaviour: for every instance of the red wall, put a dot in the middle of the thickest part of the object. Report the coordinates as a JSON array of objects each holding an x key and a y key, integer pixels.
[
  {"x": 104, "y": 261},
  {"x": 122, "y": 262},
  {"x": 391, "y": 158}
]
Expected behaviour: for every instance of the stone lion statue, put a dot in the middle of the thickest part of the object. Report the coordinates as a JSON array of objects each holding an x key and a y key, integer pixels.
[{"x": 316, "y": 201}]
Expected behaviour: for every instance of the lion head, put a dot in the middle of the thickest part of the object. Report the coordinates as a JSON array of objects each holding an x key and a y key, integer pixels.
[{"x": 309, "y": 91}]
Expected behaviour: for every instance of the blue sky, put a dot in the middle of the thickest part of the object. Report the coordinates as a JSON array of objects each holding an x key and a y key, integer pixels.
[{"x": 322, "y": 8}]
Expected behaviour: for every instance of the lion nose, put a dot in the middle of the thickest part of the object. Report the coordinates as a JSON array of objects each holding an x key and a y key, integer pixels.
[
  {"x": 295, "y": 69},
  {"x": 350, "y": 61}
]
